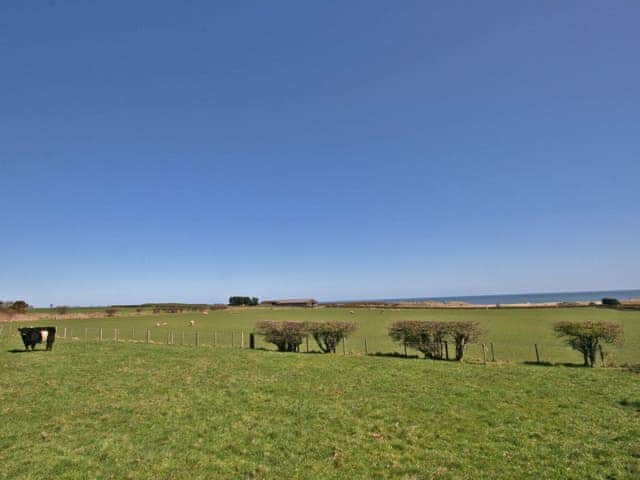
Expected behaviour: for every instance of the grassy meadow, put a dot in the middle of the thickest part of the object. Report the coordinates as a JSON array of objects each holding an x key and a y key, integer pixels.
[
  {"x": 513, "y": 332},
  {"x": 92, "y": 409},
  {"x": 125, "y": 410}
]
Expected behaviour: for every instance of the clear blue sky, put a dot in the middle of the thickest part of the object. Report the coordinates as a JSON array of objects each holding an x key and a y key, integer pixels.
[{"x": 191, "y": 150}]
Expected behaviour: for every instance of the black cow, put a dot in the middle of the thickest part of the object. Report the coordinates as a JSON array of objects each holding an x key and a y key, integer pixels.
[{"x": 34, "y": 335}]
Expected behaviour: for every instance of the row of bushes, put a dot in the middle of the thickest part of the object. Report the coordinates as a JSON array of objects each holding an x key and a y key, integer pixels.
[{"x": 432, "y": 338}]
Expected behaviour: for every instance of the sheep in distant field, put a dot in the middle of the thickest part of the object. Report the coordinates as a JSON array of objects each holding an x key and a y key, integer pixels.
[
  {"x": 352, "y": 312},
  {"x": 161, "y": 324},
  {"x": 192, "y": 323}
]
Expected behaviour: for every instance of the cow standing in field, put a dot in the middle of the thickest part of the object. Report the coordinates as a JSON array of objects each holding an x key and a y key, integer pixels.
[{"x": 34, "y": 335}]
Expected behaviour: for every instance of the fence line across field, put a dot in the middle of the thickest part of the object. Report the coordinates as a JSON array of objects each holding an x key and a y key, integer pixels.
[{"x": 486, "y": 352}]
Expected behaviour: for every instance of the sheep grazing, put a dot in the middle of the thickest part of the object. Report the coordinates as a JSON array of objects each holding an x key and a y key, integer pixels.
[
  {"x": 161, "y": 324},
  {"x": 192, "y": 323},
  {"x": 352, "y": 312}
]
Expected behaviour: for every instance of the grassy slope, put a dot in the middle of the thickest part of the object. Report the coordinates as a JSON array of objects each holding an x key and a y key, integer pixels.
[
  {"x": 513, "y": 331},
  {"x": 148, "y": 411}
]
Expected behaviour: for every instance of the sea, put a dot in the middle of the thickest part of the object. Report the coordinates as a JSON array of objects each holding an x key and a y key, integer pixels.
[{"x": 528, "y": 297}]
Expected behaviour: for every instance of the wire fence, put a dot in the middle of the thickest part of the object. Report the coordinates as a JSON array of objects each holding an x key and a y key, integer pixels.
[{"x": 487, "y": 352}]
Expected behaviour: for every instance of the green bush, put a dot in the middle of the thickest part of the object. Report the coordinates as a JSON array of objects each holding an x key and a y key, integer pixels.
[
  {"x": 587, "y": 337},
  {"x": 610, "y": 302},
  {"x": 111, "y": 312},
  {"x": 286, "y": 336},
  {"x": 430, "y": 337},
  {"x": 329, "y": 334}
]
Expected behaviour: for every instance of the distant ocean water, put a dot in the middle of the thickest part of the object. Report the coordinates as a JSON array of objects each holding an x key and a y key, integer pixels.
[{"x": 529, "y": 297}]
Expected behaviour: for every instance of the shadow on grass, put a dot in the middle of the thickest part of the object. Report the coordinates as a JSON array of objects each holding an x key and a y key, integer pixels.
[
  {"x": 634, "y": 404},
  {"x": 550, "y": 364},
  {"x": 392, "y": 355}
]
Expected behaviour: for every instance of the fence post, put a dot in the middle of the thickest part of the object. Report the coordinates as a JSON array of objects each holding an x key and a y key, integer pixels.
[
  {"x": 252, "y": 341},
  {"x": 366, "y": 352},
  {"x": 537, "y": 353},
  {"x": 71, "y": 333},
  {"x": 307, "y": 338},
  {"x": 100, "y": 333},
  {"x": 493, "y": 354},
  {"x": 65, "y": 332},
  {"x": 182, "y": 339},
  {"x": 197, "y": 338},
  {"x": 344, "y": 346},
  {"x": 133, "y": 333},
  {"x": 405, "y": 349},
  {"x": 148, "y": 336},
  {"x": 86, "y": 333},
  {"x": 446, "y": 349},
  {"x": 242, "y": 339},
  {"x": 115, "y": 336},
  {"x": 484, "y": 353},
  {"x": 604, "y": 363}
]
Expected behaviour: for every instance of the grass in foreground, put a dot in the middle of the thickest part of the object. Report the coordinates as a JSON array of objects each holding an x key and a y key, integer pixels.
[{"x": 148, "y": 411}]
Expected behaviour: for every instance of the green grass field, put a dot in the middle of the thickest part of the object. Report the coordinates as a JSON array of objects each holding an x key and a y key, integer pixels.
[
  {"x": 125, "y": 410},
  {"x": 513, "y": 332},
  {"x": 92, "y": 409}
]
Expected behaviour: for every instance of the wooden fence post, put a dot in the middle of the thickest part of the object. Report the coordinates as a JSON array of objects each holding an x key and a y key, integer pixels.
[
  {"x": 115, "y": 336},
  {"x": 405, "y": 349},
  {"x": 537, "y": 353},
  {"x": 307, "y": 338},
  {"x": 71, "y": 333},
  {"x": 366, "y": 352},
  {"x": 484, "y": 353},
  {"x": 148, "y": 336},
  {"x": 197, "y": 338},
  {"x": 242, "y": 339},
  {"x": 86, "y": 333},
  {"x": 344, "y": 346},
  {"x": 100, "y": 333},
  {"x": 493, "y": 354},
  {"x": 133, "y": 333},
  {"x": 65, "y": 332},
  {"x": 252, "y": 341}
]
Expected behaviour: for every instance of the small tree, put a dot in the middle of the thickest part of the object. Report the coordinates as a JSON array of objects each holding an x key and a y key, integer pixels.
[
  {"x": 62, "y": 309},
  {"x": 462, "y": 334},
  {"x": 586, "y": 337},
  {"x": 111, "y": 312},
  {"x": 329, "y": 334},
  {"x": 19, "y": 306},
  {"x": 287, "y": 336}
]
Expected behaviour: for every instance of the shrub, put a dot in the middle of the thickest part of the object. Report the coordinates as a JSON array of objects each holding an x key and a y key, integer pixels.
[
  {"x": 587, "y": 337},
  {"x": 236, "y": 301},
  {"x": 111, "y": 312},
  {"x": 426, "y": 337},
  {"x": 430, "y": 337},
  {"x": 19, "y": 306},
  {"x": 462, "y": 334},
  {"x": 329, "y": 334},
  {"x": 62, "y": 310},
  {"x": 611, "y": 302},
  {"x": 287, "y": 336}
]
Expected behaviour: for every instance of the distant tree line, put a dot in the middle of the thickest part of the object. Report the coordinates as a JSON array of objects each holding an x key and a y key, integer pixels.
[
  {"x": 238, "y": 301},
  {"x": 17, "y": 306}
]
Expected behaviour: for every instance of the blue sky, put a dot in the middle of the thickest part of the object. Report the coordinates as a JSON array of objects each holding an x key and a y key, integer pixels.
[{"x": 188, "y": 151}]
